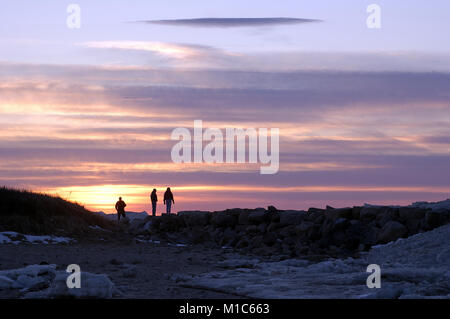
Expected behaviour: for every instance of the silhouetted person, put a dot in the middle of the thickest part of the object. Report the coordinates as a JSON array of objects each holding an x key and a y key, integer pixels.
[
  {"x": 154, "y": 199},
  {"x": 120, "y": 207},
  {"x": 168, "y": 200}
]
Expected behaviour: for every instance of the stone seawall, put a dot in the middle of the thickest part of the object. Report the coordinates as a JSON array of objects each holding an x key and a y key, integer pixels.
[{"x": 332, "y": 232}]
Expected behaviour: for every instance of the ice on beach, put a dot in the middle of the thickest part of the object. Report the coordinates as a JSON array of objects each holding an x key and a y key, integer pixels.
[
  {"x": 435, "y": 206},
  {"x": 445, "y": 204},
  {"x": 415, "y": 267},
  {"x": 45, "y": 281},
  {"x": 96, "y": 227},
  {"x": 10, "y": 237}
]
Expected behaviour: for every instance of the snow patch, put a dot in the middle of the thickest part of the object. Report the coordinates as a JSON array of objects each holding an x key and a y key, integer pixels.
[
  {"x": 10, "y": 237},
  {"x": 44, "y": 281},
  {"x": 415, "y": 267}
]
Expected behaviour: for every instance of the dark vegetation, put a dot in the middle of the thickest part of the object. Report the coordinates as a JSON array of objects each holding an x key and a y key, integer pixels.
[{"x": 40, "y": 214}]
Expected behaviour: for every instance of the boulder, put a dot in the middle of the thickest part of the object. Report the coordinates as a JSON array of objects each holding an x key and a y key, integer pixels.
[
  {"x": 356, "y": 211},
  {"x": 252, "y": 229},
  {"x": 243, "y": 218},
  {"x": 369, "y": 213},
  {"x": 304, "y": 228},
  {"x": 269, "y": 239},
  {"x": 292, "y": 217},
  {"x": 413, "y": 225},
  {"x": 391, "y": 231},
  {"x": 223, "y": 219},
  {"x": 432, "y": 219},
  {"x": 335, "y": 214},
  {"x": 170, "y": 223},
  {"x": 406, "y": 213},
  {"x": 340, "y": 224},
  {"x": 312, "y": 210},
  {"x": 198, "y": 235},
  {"x": 258, "y": 217},
  {"x": 273, "y": 226},
  {"x": 136, "y": 225},
  {"x": 195, "y": 218},
  {"x": 287, "y": 231},
  {"x": 272, "y": 209}
]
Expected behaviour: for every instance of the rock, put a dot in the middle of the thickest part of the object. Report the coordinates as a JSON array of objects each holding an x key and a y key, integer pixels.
[
  {"x": 387, "y": 215},
  {"x": 287, "y": 231},
  {"x": 136, "y": 225},
  {"x": 360, "y": 233},
  {"x": 304, "y": 228},
  {"x": 312, "y": 210},
  {"x": 130, "y": 272},
  {"x": 272, "y": 209},
  {"x": 243, "y": 218},
  {"x": 6, "y": 283},
  {"x": 242, "y": 243},
  {"x": 316, "y": 217},
  {"x": 262, "y": 227},
  {"x": 269, "y": 239},
  {"x": 340, "y": 213},
  {"x": 222, "y": 219},
  {"x": 391, "y": 231},
  {"x": 252, "y": 229},
  {"x": 406, "y": 213},
  {"x": 124, "y": 221},
  {"x": 198, "y": 235},
  {"x": 356, "y": 211},
  {"x": 258, "y": 217},
  {"x": 340, "y": 224},
  {"x": 170, "y": 223},
  {"x": 273, "y": 226},
  {"x": 114, "y": 261},
  {"x": 413, "y": 225},
  {"x": 229, "y": 238},
  {"x": 195, "y": 218},
  {"x": 432, "y": 219},
  {"x": 257, "y": 241},
  {"x": 292, "y": 217},
  {"x": 147, "y": 226},
  {"x": 368, "y": 213}
]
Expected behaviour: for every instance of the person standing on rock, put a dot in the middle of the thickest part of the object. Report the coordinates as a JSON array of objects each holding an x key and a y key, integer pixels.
[
  {"x": 154, "y": 199},
  {"x": 168, "y": 200},
  {"x": 120, "y": 208}
]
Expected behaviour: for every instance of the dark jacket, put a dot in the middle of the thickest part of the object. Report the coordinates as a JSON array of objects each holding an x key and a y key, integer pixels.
[
  {"x": 154, "y": 197},
  {"x": 168, "y": 196},
  {"x": 120, "y": 206}
]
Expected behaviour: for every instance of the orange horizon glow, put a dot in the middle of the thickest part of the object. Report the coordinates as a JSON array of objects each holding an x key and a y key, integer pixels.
[{"x": 103, "y": 197}]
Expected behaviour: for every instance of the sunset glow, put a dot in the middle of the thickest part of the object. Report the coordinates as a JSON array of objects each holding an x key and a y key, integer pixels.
[{"x": 87, "y": 114}]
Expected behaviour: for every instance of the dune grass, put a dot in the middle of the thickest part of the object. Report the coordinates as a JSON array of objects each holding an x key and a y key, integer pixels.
[{"x": 34, "y": 213}]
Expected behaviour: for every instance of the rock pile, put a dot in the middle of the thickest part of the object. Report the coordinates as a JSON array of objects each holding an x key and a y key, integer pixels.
[{"x": 333, "y": 232}]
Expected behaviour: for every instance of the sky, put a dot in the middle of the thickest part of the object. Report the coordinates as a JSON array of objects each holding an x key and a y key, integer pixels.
[{"x": 363, "y": 113}]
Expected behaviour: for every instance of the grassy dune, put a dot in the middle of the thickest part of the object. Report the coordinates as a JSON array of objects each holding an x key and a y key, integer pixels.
[{"x": 34, "y": 213}]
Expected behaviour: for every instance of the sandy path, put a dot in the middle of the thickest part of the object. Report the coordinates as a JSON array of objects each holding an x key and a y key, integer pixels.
[{"x": 154, "y": 264}]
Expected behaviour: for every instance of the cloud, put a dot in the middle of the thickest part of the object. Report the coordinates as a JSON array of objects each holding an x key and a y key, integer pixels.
[
  {"x": 177, "y": 51},
  {"x": 230, "y": 22}
]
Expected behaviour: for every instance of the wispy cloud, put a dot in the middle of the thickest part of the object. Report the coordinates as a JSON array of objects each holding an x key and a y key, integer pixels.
[
  {"x": 177, "y": 51},
  {"x": 230, "y": 22}
]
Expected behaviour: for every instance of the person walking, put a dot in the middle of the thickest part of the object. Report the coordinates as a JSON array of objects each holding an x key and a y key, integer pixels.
[
  {"x": 168, "y": 200},
  {"x": 120, "y": 208},
  {"x": 154, "y": 199}
]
